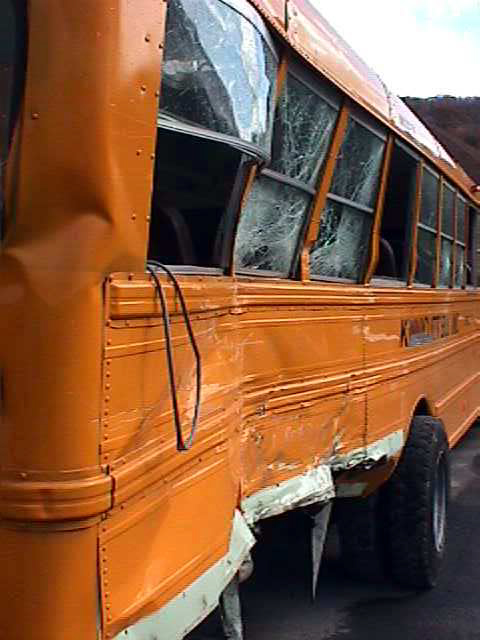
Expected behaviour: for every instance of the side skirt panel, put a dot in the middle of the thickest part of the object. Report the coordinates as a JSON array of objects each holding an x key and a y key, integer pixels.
[{"x": 190, "y": 607}]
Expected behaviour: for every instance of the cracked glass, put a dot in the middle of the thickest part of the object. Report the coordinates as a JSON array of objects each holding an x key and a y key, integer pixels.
[
  {"x": 342, "y": 244},
  {"x": 358, "y": 165},
  {"x": 303, "y": 128},
  {"x": 275, "y": 212},
  {"x": 219, "y": 73},
  {"x": 270, "y": 226}
]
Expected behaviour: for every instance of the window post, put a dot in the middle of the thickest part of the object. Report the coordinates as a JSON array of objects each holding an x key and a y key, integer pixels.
[{"x": 321, "y": 197}]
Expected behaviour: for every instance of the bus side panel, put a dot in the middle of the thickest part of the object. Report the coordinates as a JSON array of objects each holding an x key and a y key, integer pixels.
[
  {"x": 303, "y": 353},
  {"x": 78, "y": 196},
  {"x": 172, "y": 510},
  {"x": 428, "y": 349},
  {"x": 49, "y": 584}
]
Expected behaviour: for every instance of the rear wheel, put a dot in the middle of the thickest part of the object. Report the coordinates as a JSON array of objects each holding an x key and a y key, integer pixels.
[
  {"x": 361, "y": 536},
  {"x": 417, "y": 497}
]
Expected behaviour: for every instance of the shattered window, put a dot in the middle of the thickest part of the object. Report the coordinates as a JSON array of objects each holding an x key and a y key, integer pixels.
[
  {"x": 447, "y": 235},
  {"x": 358, "y": 165},
  {"x": 460, "y": 243},
  {"x": 270, "y": 227},
  {"x": 302, "y": 131},
  {"x": 274, "y": 215},
  {"x": 219, "y": 71},
  {"x": 341, "y": 248},
  {"x": 427, "y": 233},
  {"x": 342, "y": 243}
]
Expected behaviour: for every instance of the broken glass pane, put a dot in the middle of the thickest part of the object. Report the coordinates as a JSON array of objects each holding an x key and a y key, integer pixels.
[
  {"x": 302, "y": 131},
  {"x": 425, "y": 257},
  {"x": 270, "y": 225},
  {"x": 428, "y": 208},
  {"x": 342, "y": 244},
  {"x": 448, "y": 205},
  {"x": 358, "y": 165},
  {"x": 446, "y": 262},
  {"x": 218, "y": 71}
]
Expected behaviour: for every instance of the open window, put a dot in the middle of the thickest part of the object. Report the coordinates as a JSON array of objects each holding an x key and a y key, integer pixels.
[
  {"x": 216, "y": 117},
  {"x": 398, "y": 215},
  {"x": 194, "y": 187},
  {"x": 341, "y": 248},
  {"x": 427, "y": 228},
  {"x": 274, "y": 217}
]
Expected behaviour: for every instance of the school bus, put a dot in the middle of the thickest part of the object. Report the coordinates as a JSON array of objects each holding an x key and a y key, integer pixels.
[{"x": 238, "y": 277}]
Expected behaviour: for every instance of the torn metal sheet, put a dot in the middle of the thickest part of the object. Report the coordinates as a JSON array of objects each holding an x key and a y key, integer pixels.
[
  {"x": 316, "y": 485},
  {"x": 351, "y": 490},
  {"x": 231, "y": 611},
  {"x": 319, "y": 535},
  {"x": 386, "y": 447},
  {"x": 192, "y": 605}
]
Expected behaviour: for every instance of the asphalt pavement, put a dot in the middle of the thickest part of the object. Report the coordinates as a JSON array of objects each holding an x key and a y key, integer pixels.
[{"x": 277, "y": 603}]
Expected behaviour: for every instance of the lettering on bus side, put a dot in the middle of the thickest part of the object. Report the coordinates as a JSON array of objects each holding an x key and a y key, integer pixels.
[{"x": 416, "y": 332}]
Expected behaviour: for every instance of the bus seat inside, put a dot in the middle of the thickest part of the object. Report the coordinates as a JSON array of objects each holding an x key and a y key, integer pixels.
[
  {"x": 193, "y": 183},
  {"x": 395, "y": 231}
]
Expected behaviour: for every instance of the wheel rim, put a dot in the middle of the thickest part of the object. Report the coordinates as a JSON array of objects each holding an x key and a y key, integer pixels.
[{"x": 439, "y": 513}]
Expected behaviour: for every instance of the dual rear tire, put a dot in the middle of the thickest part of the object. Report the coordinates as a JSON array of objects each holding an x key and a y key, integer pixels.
[{"x": 401, "y": 529}]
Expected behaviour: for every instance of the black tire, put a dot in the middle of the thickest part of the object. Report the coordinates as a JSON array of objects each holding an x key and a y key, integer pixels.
[
  {"x": 417, "y": 494},
  {"x": 360, "y": 533}
]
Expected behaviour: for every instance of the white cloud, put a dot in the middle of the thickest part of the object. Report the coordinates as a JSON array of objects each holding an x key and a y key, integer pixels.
[{"x": 411, "y": 44}]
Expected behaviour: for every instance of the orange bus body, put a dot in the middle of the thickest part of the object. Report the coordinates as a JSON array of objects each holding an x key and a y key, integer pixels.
[{"x": 103, "y": 521}]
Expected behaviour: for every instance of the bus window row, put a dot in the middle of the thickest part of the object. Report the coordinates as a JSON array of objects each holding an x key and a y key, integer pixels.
[{"x": 256, "y": 165}]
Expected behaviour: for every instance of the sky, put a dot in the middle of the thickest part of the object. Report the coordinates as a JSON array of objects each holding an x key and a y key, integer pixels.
[{"x": 419, "y": 48}]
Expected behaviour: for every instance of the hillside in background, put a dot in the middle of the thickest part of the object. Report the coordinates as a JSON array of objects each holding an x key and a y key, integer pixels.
[{"x": 455, "y": 122}]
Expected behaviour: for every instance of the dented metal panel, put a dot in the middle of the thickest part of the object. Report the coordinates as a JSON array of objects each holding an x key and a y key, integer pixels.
[
  {"x": 388, "y": 447},
  {"x": 299, "y": 378},
  {"x": 192, "y": 605},
  {"x": 316, "y": 485}
]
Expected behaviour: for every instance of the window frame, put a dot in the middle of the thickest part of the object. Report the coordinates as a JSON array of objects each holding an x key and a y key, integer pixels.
[
  {"x": 458, "y": 201},
  {"x": 354, "y": 113},
  {"x": 445, "y": 236},
  {"x": 411, "y": 220},
  {"x": 333, "y": 97},
  {"x": 426, "y": 168},
  {"x": 170, "y": 123}
]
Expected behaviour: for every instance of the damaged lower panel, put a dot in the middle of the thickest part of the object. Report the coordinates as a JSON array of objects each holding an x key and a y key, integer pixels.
[
  {"x": 190, "y": 607},
  {"x": 316, "y": 485},
  {"x": 371, "y": 454}
]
